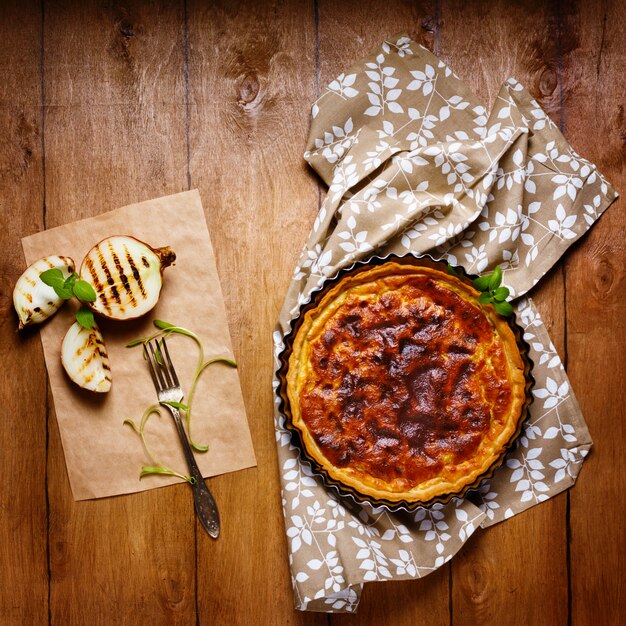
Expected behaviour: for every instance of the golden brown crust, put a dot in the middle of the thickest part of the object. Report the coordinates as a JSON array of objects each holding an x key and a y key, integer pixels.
[{"x": 402, "y": 385}]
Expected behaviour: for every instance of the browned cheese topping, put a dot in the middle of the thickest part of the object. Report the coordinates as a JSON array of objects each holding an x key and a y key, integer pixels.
[{"x": 405, "y": 381}]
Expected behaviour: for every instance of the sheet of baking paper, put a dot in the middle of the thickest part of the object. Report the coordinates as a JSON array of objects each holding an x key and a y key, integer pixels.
[{"x": 103, "y": 455}]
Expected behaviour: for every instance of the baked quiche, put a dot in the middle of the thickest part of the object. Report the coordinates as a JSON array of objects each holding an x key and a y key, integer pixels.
[{"x": 403, "y": 386}]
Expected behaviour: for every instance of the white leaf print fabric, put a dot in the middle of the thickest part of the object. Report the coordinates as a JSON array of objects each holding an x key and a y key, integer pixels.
[{"x": 415, "y": 164}]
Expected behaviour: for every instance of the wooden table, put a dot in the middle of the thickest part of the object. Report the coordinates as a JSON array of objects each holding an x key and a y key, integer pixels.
[{"x": 106, "y": 103}]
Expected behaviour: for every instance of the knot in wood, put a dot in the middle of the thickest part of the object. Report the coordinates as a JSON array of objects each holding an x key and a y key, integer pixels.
[
  {"x": 126, "y": 29},
  {"x": 429, "y": 24},
  {"x": 477, "y": 583},
  {"x": 605, "y": 278},
  {"x": 249, "y": 91},
  {"x": 548, "y": 81}
]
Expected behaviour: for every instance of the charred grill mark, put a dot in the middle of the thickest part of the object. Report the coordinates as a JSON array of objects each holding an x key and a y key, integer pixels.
[
  {"x": 96, "y": 280},
  {"x": 110, "y": 281},
  {"x": 136, "y": 273},
  {"x": 30, "y": 281},
  {"x": 87, "y": 361},
  {"x": 101, "y": 349},
  {"x": 145, "y": 261},
  {"x": 122, "y": 275},
  {"x": 105, "y": 267},
  {"x": 94, "y": 343},
  {"x": 94, "y": 275},
  {"x": 47, "y": 262},
  {"x": 28, "y": 296},
  {"x": 37, "y": 309}
]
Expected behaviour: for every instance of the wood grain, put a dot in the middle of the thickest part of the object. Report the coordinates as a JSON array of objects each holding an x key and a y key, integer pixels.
[
  {"x": 346, "y": 34},
  {"x": 251, "y": 83},
  {"x": 23, "y": 514},
  {"x": 115, "y": 134},
  {"x": 499, "y": 576},
  {"x": 594, "y": 85},
  {"x": 144, "y": 99}
]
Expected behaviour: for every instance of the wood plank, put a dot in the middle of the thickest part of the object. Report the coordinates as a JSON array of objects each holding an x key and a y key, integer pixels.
[
  {"x": 403, "y": 603},
  {"x": 502, "y": 571},
  {"x": 346, "y": 33},
  {"x": 594, "y": 85},
  {"x": 345, "y": 36},
  {"x": 115, "y": 133},
  {"x": 251, "y": 83},
  {"x": 23, "y": 531}
]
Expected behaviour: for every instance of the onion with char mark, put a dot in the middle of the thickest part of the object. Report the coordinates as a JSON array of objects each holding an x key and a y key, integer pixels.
[
  {"x": 33, "y": 300},
  {"x": 127, "y": 276},
  {"x": 85, "y": 358}
]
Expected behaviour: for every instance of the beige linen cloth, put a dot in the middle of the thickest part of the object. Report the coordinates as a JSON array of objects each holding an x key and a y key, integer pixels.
[
  {"x": 104, "y": 456},
  {"x": 415, "y": 164}
]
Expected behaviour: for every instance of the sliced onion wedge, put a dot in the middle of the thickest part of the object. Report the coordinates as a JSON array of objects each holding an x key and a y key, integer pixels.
[
  {"x": 85, "y": 358},
  {"x": 33, "y": 300},
  {"x": 127, "y": 276}
]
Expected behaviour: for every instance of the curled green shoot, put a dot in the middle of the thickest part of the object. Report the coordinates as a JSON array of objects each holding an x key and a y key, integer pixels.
[
  {"x": 156, "y": 466},
  {"x": 164, "y": 330}
]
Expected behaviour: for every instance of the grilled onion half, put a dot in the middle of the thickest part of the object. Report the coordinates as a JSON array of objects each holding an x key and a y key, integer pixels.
[
  {"x": 85, "y": 358},
  {"x": 33, "y": 300},
  {"x": 127, "y": 276}
]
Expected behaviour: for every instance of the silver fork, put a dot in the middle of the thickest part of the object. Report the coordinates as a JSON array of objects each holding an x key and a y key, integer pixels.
[{"x": 169, "y": 390}]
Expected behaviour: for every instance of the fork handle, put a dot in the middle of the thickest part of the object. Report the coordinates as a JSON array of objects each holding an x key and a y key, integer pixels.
[{"x": 205, "y": 506}]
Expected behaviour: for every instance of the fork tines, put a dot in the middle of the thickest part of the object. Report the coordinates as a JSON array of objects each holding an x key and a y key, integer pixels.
[{"x": 160, "y": 364}]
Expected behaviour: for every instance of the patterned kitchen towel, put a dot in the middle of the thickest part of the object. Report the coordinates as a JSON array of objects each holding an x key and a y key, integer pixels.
[{"x": 414, "y": 164}]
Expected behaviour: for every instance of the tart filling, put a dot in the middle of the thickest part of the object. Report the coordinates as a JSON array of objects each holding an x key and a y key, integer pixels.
[{"x": 403, "y": 386}]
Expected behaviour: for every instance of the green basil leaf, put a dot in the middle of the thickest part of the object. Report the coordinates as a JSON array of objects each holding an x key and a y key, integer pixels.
[
  {"x": 70, "y": 280},
  {"x": 62, "y": 291},
  {"x": 52, "y": 277},
  {"x": 503, "y": 308},
  {"x": 501, "y": 294},
  {"x": 84, "y": 291},
  {"x": 485, "y": 297},
  {"x": 481, "y": 283},
  {"x": 85, "y": 318},
  {"x": 176, "y": 405},
  {"x": 496, "y": 278},
  {"x": 452, "y": 271}
]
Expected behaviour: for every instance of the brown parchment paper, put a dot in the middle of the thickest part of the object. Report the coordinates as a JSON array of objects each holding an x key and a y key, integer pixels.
[
  {"x": 415, "y": 164},
  {"x": 103, "y": 455}
]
